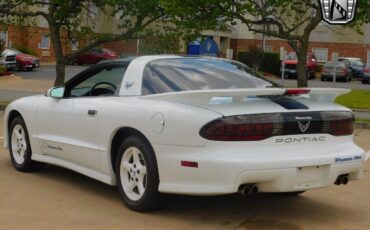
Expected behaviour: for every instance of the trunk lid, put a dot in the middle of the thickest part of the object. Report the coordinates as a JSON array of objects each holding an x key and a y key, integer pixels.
[{"x": 251, "y": 101}]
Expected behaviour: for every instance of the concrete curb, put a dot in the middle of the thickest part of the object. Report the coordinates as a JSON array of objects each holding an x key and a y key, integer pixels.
[
  {"x": 8, "y": 76},
  {"x": 361, "y": 110}
]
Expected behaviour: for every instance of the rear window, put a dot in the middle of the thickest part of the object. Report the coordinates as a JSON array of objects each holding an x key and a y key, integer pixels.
[
  {"x": 340, "y": 64},
  {"x": 186, "y": 74}
]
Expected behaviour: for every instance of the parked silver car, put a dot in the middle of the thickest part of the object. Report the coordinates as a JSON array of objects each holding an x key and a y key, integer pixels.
[{"x": 8, "y": 59}]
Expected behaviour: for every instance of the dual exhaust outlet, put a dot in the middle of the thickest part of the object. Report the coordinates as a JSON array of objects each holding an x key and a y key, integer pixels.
[
  {"x": 248, "y": 189},
  {"x": 341, "y": 179}
]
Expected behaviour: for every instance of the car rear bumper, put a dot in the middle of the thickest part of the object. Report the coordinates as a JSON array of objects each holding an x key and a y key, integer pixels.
[{"x": 222, "y": 170}]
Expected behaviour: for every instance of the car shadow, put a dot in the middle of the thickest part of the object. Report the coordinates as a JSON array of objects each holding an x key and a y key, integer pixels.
[{"x": 250, "y": 212}]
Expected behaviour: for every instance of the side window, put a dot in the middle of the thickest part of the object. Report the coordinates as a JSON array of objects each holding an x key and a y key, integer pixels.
[{"x": 104, "y": 81}]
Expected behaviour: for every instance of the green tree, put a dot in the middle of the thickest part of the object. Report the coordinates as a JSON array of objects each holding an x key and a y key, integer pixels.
[
  {"x": 71, "y": 19},
  {"x": 292, "y": 20}
]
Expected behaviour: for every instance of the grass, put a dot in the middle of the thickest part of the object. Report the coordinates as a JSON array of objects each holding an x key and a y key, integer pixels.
[
  {"x": 357, "y": 99},
  {"x": 363, "y": 120},
  {"x": 3, "y": 104}
]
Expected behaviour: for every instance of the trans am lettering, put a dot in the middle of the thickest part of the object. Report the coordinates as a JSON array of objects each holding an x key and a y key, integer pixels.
[
  {"x": 347, "y": 159},
  {"x": 300, "y": 139}
]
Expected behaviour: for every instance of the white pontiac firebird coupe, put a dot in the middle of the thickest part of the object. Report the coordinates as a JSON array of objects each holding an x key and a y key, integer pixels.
[{"x": 186, "y": 125}]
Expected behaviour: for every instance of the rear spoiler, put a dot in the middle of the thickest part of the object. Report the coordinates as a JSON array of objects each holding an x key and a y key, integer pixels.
[{"x": 199, "y": 97}]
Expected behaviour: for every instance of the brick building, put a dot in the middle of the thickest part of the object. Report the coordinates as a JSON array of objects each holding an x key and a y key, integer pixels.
[{"x": 324, "y": 40}]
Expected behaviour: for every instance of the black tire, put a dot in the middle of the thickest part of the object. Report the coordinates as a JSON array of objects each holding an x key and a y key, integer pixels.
[
  {"x": 28, "y": 165},
  {"x": 322, "y": 79},
  {"x": 150, "y": 199}
]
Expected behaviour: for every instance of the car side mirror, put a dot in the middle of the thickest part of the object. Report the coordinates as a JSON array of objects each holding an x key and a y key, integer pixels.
[{"x": 56, "y": 92}]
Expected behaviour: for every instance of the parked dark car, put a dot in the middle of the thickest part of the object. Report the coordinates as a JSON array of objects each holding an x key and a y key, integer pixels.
[
  {"x": 366, "y": 76},
  {"x": 342, "y": 71},
  {"x": 96, "y": 55},
  {"x": 291, "y": 62},
  {"x": 356, "y": 66},
  {"x": 24, "y": 61}
]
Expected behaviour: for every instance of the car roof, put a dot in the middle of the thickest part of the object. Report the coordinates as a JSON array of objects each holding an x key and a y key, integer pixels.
[{"x": 350, "y": 58}]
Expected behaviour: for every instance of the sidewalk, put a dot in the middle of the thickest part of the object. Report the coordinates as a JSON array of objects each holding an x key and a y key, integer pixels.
[{"x": 14, "y": 87}]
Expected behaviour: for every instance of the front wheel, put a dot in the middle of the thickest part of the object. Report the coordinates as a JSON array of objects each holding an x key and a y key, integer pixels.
[
  {"x": 20, "y": 148},
  {"x": 137, "y": 175}
]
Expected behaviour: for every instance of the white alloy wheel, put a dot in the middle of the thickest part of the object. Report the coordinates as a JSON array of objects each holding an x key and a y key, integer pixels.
[
  {"x": 18, "y": 144},
  {"x": 133, "y": 173}
]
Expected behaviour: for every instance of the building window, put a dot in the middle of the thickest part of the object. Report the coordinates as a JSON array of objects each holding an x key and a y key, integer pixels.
[
  {"x": 74, "y": 44},
  {"x": 268, "y": 49},
  {"x": 4, "y": 37},
  {"x": 321, "y": 54},
  {"x": 368, "y": 57},
  {"x": 45, "y": 42},
  {"x": 93, "y": 10}
]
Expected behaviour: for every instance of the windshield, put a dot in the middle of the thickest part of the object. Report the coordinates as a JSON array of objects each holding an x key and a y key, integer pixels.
[
  {"x": 292, "y": 56},
  {"x": 15, "y": 51},
  {"x": 356, "y": 62},
  {"x": 340, "y": 64},
  {"x": 186, "y": 74}
]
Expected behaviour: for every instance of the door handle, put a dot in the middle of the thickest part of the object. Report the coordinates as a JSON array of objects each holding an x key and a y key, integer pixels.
[{"x": 91, "y": 112}]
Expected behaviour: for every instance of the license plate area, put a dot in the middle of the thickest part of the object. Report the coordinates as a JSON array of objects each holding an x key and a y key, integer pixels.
[{"x": 312, "y": 176}]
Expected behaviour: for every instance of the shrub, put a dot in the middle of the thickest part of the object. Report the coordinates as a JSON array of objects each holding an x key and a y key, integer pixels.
[
  {"x": 26, "y": 50},
  {"x": 2, "y": 69},
  {"x": 2, "y": 46},
  {"x": 319, "y": 67},
  {"x": 270, "y": 62}
]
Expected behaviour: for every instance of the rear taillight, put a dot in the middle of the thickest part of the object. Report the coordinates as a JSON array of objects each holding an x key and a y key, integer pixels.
[
  {"x": 366, "y": 70},
  {"x": 257, "y": 127},
  {"x": 338, "y": 123},
  {"x": 243, "y": 128}
]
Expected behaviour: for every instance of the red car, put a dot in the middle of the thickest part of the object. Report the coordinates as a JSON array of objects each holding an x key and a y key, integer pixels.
[
  {"x": 96, "y": 55},
  {"x": 24, "y": 61},
  {"x": 291, "y": 65}
]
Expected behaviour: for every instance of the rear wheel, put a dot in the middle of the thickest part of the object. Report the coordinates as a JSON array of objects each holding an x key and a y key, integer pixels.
[
  {"x": 20, "y": 148},
  {"x": 137, "y": 175}
]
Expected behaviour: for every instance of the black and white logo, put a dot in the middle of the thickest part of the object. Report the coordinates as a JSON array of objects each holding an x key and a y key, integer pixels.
[
  {"x": 303, "y": 125},
  {"x": 338, "y": 11}
]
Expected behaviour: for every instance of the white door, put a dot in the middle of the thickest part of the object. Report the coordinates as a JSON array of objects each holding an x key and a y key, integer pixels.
[
  {"x": 67, "y": 131},
  {"x": 68, "y": 127}
]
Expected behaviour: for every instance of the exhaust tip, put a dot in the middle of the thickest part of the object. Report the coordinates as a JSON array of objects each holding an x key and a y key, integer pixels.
[
  {"x": 248, "y": 189},
  {"x": 342, "y": 179}
]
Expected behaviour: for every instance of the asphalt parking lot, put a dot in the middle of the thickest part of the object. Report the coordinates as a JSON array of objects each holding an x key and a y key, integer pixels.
[
  {"x": 61, "y": 199},
  {"x": 48, "y": 73}
]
